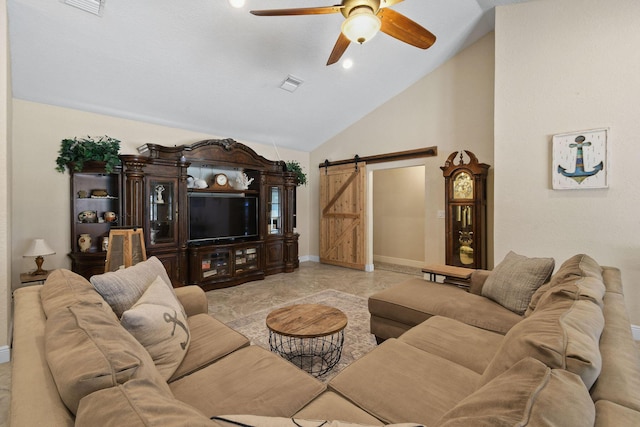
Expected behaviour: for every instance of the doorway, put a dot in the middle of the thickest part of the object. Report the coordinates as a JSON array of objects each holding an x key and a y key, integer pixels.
[{"x": 396, "y": 206}]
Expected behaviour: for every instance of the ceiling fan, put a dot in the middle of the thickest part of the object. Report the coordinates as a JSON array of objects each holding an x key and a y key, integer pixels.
[{"x": 364, "y": 18}]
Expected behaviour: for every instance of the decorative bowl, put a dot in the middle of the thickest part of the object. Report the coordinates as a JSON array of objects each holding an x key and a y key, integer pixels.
[
  {"x": 110, "y": 216},
  {"x": 88, "y": 216},
  {"x": 99, "y": 193}
]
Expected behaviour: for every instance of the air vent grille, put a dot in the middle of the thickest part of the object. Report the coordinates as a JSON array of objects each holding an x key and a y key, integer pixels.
[
  {"x": 91, "y": 6},
  {"x": 291, "y": 83}
]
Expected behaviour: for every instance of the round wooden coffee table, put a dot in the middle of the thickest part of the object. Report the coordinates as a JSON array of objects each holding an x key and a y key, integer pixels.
[{"x": 309, "y": 335}]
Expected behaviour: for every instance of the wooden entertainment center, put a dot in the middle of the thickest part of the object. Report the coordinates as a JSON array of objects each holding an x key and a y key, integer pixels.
[{"x": 154, "y": 190}]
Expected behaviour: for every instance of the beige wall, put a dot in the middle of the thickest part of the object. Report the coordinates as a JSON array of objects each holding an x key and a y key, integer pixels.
[
  {"x": 561, "y": 67},
  {"x": 40, "y": 202},
  {"x": 5, "y": 187},
  {"x": 399, "y": 215},
  {"x": 451, "y": 108}
]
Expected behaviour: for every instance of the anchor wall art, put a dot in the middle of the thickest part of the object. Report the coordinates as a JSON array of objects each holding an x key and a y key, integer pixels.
[{"x": 580, "y": 160}]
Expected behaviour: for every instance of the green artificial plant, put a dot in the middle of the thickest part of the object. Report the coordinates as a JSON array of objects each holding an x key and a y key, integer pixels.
[
  {"x": 74, "y": 152},
  {"x": 293, "y": 166}
]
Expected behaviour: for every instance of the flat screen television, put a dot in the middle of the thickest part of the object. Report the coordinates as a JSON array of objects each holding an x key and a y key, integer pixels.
[{"x": 219, "y": 217}]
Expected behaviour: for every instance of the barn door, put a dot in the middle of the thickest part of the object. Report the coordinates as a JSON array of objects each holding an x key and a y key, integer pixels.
[{"x": 342, "y": 217}]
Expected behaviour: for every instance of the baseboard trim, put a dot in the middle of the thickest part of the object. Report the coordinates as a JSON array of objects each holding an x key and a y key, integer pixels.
[
  {"x": 398, "y": 261},
  {"x": 312, "y": 258},
  {"x": 635, "y": 330},
  {"x": 5, "y": 354}
]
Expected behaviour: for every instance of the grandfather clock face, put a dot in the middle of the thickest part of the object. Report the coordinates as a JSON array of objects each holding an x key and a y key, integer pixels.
[{"x": 463, "y": 186}]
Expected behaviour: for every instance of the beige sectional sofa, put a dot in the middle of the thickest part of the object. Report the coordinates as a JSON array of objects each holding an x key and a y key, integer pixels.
[
  {"x": 569, "y": 361},
  {"x": 456, "y": 348}
]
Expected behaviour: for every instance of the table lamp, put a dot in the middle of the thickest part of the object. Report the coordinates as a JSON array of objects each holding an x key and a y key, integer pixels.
[{"x": 38, "y": 249}]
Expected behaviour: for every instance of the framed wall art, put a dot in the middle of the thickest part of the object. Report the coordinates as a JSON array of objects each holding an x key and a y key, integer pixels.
[{"x": 580, "y": 160}]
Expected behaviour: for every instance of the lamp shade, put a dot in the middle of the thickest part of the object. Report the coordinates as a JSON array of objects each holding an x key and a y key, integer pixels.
[
  {"x": 361, "y": 25},
  {"x": 38, "y": 247}
]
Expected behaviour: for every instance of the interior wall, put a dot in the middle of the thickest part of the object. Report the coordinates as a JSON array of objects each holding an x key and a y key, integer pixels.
[
  {"x": 562, "y": 67},
  {"x": 40, "y": 202},
  {"x": 399, "y": 216},
  {"x": 451, "y": 108},
  {"x": 5, "y": 187}
]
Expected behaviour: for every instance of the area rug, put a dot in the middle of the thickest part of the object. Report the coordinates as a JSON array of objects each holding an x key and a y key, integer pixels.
[{"x": 358, "y": 341}]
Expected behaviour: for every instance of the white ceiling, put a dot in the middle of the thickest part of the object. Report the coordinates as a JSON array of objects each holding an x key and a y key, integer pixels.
[{"x": 205, "y": 66}]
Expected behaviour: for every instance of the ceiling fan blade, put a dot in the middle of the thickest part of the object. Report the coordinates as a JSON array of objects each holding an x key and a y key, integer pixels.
[
  {"x": 300, "y": 11},
  {"x": 404, "y": 29},
  {"x": 341, "y": 45}
]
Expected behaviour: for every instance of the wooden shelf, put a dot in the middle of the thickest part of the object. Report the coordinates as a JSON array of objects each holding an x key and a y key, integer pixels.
[{"x": 214, "y": 191}]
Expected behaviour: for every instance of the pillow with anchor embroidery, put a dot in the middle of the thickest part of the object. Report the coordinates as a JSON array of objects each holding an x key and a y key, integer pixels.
[{"x": 159, "y": 323}]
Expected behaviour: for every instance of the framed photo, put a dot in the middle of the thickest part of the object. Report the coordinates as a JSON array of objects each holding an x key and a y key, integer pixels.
[{"x": 580, "y": 160}]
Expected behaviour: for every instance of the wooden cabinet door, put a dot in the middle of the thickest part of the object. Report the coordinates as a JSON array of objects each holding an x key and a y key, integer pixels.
[
  {"x": 342, "y": 217},
  {"x": 274, "y": 256}
]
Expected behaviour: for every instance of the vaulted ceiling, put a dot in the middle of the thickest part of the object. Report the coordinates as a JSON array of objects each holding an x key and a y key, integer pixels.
[{"x": 205, "y": 66}]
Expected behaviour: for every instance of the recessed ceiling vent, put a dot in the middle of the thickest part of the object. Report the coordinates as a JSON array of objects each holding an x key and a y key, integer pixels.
[
  {"x": 91, "y": 6},
  {"x": 291, "y": 83}
]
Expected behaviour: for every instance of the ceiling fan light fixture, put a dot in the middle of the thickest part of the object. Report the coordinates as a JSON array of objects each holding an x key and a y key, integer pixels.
[
  {"x": 237, "y": 3},
  {"x": 361, "y": 25}
]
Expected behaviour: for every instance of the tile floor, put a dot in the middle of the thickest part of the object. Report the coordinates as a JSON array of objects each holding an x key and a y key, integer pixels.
[{"x": 238, "y": 301}]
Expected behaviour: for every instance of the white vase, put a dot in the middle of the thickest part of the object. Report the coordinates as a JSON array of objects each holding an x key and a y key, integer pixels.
[{"x": 84, "y": 242}]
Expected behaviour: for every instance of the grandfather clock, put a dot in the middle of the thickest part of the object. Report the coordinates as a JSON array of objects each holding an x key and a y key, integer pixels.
[{"x": 466, "y": 211}]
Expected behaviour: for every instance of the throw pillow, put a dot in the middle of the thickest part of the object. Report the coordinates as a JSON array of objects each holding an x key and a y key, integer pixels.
[
  {"x": 563, "y": 332},
  {"x": 528, "y": 394},
  {"x": 123, "y": 288},
  {"x": 513, "y": 281},
  {"x": 158, "y": 322}
]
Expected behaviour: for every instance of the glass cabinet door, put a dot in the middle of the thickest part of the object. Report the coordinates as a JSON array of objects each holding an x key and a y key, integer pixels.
[
  {"x": 162, "y": 208},
  {"x": 274, "y": 225}
]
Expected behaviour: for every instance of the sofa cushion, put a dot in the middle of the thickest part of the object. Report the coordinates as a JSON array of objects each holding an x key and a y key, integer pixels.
[
  {"x": 399, "y": 383},
  {"x": 158, "y": 322},
  {"x": 581, "y": 273},
  {"x": 88, "y": 350},
  {"x": 513, "y": 281},
  {"x": 576, "y": 267},
  {"x": 611, "y": 414},
  {"x": 563, "y": 332},
  {"x": 210, "y": 341},
  {"x": 528, "y": 394},
  {"x": 123, "y": 288},
  {"x": 458, "y": 342},
  {"x": 63, "y": 288},
  {"x": 137, "y": 403},
  {"x": 619, "y": 380},
  {"x": 31, "y": 379},
  {"x": 415, "y": 300},
  {"x": 250, "y": 381}
]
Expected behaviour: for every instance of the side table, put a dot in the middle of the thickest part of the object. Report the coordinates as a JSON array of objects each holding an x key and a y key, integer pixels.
[
  {"x": 30, "y": 279},
  {"x": 310, "y": 336},
  {"x": 458, "y": 276}
]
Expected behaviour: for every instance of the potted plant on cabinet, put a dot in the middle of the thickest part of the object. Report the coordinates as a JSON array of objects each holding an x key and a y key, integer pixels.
[
  {"x": 75, "y": 152},
  {"x": 301, "y": 177}
]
